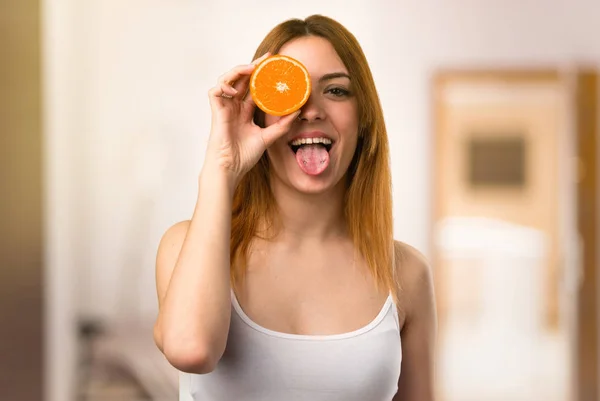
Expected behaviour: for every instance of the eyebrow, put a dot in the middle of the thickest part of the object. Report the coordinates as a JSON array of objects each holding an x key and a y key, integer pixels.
[{"x": 333, "y": 75}]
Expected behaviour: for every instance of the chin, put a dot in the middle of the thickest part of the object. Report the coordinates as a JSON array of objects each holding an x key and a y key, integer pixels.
[
  {"x": 309, "y": 185},
  {"x": 312, "y": 184}
]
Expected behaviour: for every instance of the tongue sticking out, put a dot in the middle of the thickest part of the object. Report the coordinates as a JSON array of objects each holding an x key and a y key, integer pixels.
[{"x": 312, "y": 159}]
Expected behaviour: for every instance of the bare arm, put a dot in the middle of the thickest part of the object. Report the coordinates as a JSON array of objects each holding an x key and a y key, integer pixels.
[
  {"x": 420, "y": 327},
  {"x": 166, "y": 258},
  {"x": 192, "y": 278},
  {"x": 192, "y": 266}
]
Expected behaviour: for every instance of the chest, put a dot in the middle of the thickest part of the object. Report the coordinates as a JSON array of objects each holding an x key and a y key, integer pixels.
[{"x": 310, "y": 291}]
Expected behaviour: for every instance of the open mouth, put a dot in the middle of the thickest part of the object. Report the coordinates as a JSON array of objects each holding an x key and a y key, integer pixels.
[
  {"x": 312, "y": 154},
  {"x": 298, "y": 143}
]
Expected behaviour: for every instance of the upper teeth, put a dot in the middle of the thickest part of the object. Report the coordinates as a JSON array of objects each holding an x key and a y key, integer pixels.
[{"x": 303, "y": 141}]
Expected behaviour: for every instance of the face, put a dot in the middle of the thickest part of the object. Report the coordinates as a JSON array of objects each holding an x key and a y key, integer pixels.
[{"x": 331, "y": 112}]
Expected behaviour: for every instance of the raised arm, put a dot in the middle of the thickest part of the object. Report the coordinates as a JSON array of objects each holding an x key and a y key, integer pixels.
[{"x": 192, "y": 265}]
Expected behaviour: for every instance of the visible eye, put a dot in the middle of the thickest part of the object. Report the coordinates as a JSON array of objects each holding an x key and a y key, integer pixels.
[{"x": 338, "y": 92}]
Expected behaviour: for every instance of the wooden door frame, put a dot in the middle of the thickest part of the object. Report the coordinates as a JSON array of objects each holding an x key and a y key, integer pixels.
[
  {"x": 586, "y": 99},
  {"x": 585, "y": 102},
  {"x": 22, "y": 291}
]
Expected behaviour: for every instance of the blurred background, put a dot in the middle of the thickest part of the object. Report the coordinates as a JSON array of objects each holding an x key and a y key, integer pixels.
[{"x": 492, "y": 110}]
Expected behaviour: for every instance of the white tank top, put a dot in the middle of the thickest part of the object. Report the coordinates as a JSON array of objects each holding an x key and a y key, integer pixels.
[{"x": 265, "y": 365}]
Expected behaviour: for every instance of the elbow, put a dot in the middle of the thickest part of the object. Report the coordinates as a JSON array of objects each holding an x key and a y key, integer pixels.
[
  {"x": 157, "y": 337},
  {"x": 189, "y": 354},
  {"x": 190, "y": 358}
]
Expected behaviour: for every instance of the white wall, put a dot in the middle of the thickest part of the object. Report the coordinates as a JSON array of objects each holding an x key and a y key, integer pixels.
[
  {"x": 60, "y": 181},
  {"x": 142, "y": 69}
]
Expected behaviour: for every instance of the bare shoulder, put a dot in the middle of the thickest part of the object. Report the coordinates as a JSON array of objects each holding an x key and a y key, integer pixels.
[
  {"x": 167, "y": 254},
  {"x": 419, "y": 324},
  {"x": 415, "y": 279},
  {"x": 411, "y": 264}
]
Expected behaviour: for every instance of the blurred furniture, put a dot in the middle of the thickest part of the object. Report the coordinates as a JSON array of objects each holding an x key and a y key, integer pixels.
[
  {"x": 494, "y": 333},
  {"x": 132, "y": 346}
]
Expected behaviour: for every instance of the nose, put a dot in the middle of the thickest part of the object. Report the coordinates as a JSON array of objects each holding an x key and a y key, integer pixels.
[{"x": 312, "y": 110}]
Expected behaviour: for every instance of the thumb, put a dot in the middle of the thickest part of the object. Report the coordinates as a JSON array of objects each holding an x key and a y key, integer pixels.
[{"x": 277, "y": 130}]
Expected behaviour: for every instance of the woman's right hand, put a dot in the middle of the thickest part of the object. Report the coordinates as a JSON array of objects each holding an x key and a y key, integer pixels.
[{"x": 236, "y": 143}]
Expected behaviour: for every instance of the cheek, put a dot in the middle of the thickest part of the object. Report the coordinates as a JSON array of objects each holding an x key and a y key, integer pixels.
[
  {"x": 347, "y": 124},
  {"x": 348, "y": 151},
  {"x": 344, "y": 114}
]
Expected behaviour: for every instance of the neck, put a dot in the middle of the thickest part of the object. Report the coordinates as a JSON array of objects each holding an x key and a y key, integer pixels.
[{"x": 305, "y": 216}]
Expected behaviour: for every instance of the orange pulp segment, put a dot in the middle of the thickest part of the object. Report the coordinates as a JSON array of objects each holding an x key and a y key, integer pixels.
[{"x": 280, "y": 85}]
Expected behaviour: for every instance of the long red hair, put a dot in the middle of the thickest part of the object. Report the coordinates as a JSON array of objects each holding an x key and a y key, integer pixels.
[{"x": 368, "y": 199}]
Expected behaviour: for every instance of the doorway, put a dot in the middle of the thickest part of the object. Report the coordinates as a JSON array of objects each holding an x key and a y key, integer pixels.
[{"x": 505, "y": 236}]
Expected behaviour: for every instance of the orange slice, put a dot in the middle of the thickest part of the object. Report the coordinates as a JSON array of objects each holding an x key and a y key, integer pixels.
[{"x": 280, "y": 85}]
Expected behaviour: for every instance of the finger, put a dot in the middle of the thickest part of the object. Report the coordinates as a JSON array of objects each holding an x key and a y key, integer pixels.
[
  {"x": 235, "y": 74},
  {"x": 261, "y": 58},
  {"x": 241, "y": 85},
  {"x": 228, "y": 90},
  {"x": 248, "y": 98},
  {"x": 215, "y": 96},
  {"x": 277, "y": 130}
]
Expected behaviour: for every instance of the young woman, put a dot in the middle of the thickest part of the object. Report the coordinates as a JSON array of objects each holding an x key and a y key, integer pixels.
[{"x": 287, "y": 284}]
